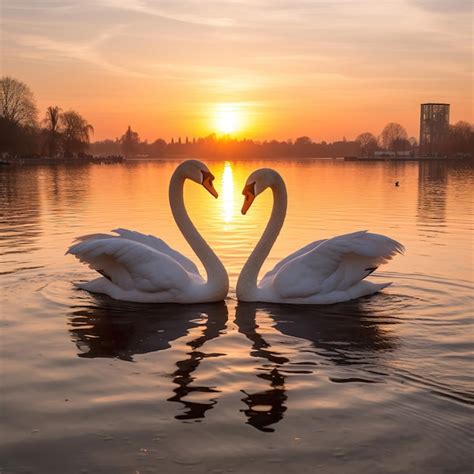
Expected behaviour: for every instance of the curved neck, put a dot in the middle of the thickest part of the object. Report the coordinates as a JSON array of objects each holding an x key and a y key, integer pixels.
[
  {"x": 247, "y": 282},
  {"x": 217, "y": 278}
]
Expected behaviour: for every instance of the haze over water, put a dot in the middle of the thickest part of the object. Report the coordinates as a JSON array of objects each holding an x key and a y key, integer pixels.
[{"x": 381, "y": 384}]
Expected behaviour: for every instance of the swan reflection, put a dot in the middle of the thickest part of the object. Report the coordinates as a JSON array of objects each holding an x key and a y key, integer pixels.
[
  {"x": 349, "y": 334},
  {"x": 185, "y": 375},
  {"x": 264, "y": 408},
  {"x": 354, "y": 334},
  {"x": 122, "y": 330}
]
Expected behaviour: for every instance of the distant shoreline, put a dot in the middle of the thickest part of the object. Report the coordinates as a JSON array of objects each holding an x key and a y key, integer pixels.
[
  {"x": 49, "y": 160},
  {"x": 406, "y": 158},
  {"x": 107, "y": 160}
]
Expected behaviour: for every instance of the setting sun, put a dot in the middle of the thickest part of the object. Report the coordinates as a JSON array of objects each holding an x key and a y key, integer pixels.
[{"x": 228, "y": 118}]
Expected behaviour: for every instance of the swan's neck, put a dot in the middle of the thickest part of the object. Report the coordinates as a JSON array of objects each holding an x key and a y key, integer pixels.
[
  {"x": 217, "y": 279},
  {"x": 247, "y": 282}
]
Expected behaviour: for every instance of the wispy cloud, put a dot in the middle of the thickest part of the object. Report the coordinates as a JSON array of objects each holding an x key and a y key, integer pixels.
[
  {"x": 148, "y": 8},
  {"x": 444, "y": 6},
  {"x": 305, "y": 57},
  {"x": 78, "y": 51}
]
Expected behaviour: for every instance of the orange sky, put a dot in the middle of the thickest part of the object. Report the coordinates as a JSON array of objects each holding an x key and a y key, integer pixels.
[{"x": 320, "y": 68}]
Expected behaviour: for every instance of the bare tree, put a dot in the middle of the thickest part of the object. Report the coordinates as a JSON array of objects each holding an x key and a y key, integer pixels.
[
  {"x": 17, "y": 104},
  {"x": 52, "y": 122},
  {"x": 367, "y": 142},
  {"x": 461, "y": 138},
  {"x": 394, "y": 136},
  {"x": 76, "y": 132}
]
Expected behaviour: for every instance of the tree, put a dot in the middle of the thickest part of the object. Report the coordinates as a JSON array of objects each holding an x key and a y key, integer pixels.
[
  {"x": 18, "y": 133},
  {"x": 303, "y": 141},
  {"x": 401, "y": 144},
  {"x": 53, "y": 131},
  {"x": 394, "y": 137},
  {"x": 461, "y": 138},
  {"x": 157, "y": 148},
  {"x": 303, "y": 146},
  {"x": 17, "y": 104},
  {"x": 17, "y": 140},
  {"x": 129, "y": 142},
  {"x": 76, "y": 132},
  {"x": 367, "y": 142}
]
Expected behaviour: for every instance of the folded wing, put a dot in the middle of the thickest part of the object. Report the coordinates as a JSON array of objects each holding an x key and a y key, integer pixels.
[
  {"x": 150, "y": 241},
  {"x": 131, "y": 265},
  {"x": 333, "y": 265},
  {"x": 290, "y": 257}
]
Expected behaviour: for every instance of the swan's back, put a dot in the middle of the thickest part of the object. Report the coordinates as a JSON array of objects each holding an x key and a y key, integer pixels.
[
  {"x": 336, "y": 264},
  {"x": 149, "y": 240}
]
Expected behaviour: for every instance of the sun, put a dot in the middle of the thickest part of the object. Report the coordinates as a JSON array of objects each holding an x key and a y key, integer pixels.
[{"x": 228, "y": 118}]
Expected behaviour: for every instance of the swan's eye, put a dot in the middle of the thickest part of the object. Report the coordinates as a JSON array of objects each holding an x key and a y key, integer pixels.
[
  {"x": 207, "y": 176},
  {"x": 249, "y": 189}
]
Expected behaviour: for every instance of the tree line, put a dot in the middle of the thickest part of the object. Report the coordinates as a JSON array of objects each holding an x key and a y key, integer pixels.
[
  {"x": 67, "y": 134},
  {"x": 393, "y": 137},
  {"x": 59, "y": 133}
]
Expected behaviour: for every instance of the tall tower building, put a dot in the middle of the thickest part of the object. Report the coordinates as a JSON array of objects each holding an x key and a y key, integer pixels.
[{"x": 434, "y": 127}]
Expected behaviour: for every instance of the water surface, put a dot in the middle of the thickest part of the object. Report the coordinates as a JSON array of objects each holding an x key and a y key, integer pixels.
[{"x": 381, "y": 384}]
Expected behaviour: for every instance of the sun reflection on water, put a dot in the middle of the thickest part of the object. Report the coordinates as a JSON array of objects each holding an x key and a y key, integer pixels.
[{"x": 227, "y": 187}]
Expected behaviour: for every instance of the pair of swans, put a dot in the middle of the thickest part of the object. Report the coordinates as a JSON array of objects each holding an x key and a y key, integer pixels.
[{"x": 143, "y": 268}]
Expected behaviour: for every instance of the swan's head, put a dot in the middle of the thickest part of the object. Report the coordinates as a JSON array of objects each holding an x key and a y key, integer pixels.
[
  {"x": 198, "y": 172},
  {"x": 256, "y": 183}
]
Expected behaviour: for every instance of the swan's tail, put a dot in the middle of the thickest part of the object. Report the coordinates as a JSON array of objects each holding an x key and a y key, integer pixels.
[
  {"x": 99, "y": 285},
  {"x": 381, "y": 286},
  {"x": 365, "y": 288}
]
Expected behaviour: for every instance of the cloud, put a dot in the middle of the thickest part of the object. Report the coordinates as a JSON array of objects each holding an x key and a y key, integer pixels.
[
  {"x": 141, "y": 6},
  {"x": 79, "y": 51},
  {"x": 445, "y": 6}
]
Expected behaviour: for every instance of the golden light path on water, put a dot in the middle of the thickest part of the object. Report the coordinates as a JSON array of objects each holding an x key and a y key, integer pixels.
[{"x": 227, "y": 190}]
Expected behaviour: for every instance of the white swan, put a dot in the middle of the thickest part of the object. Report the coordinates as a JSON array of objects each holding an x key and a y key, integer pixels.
[
  {"x": 323, "y": 272},
  {"x": 143, "y": 268}
]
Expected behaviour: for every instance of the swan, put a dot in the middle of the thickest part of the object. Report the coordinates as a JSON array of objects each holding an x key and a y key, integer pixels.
[
  {"x": 323, "y": 272},
  {"x": 143, "y": 268}
]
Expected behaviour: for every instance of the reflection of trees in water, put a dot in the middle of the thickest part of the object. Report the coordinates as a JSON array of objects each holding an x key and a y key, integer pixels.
[
  {"x": 395, "y": 170},
  {"x": 183, "y": 377},
  {"x": 121, "y": 330},
  {"x": 432, "y": 192},
  {"x": 347, "y": 334},
  {"x": 20, "y": 211},
  {"x": 67, "y": 185},
  {"x": 24, "y": 191}
]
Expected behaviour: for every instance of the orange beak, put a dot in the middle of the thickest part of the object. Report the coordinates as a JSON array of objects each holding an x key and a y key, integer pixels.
[
  {"x": 207, "y": 179},
  {"x": 249, "y": 193}
]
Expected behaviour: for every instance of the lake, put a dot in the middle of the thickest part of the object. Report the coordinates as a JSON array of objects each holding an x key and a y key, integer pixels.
[{"x": 380, "y": 384}]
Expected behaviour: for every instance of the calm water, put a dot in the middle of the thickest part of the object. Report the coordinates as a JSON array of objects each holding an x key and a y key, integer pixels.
[{"x": 382, "y": 384}]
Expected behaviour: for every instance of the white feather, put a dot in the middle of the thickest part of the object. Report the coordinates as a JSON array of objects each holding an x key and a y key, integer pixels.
[
  {"x": 334, "y": 265},
  {"x": 323, "y": 272},
  {"x": 143, "y": 268}
]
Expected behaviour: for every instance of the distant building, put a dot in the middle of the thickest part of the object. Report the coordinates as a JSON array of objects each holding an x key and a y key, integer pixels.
[{"x": 434, "y": 128}]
